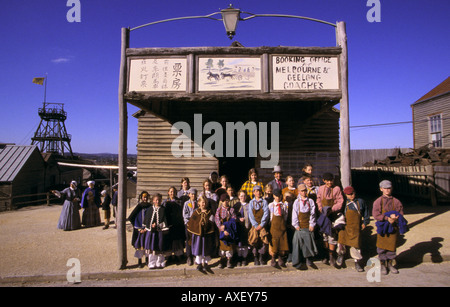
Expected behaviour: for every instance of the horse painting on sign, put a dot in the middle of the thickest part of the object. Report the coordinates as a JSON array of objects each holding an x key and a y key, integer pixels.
[{"x": 229, "y": 74}]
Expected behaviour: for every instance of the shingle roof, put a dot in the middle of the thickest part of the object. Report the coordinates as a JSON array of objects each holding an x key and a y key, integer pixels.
[
  {"x": 442, "y": 88},
  {"x": 12, "y": 159}
]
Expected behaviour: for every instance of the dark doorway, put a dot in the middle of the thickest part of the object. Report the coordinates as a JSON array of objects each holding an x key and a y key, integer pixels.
[{"x": 236, "y": 169}]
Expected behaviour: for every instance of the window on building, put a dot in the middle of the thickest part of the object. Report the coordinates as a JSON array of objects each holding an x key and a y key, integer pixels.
[{"x": 436, "y": 130}]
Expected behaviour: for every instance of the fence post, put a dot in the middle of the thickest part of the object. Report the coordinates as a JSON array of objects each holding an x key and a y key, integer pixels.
[{"x": 431, "y": 184}]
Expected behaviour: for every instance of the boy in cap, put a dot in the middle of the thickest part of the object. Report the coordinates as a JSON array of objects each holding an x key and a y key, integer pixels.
[
  {"x": 357, "y": 217},
  {"x": 329, "y": 202},
  {"x": 258, "y": 214},
  {"x": 278, "y": 245},
  {"x": 387, "y": 243}
]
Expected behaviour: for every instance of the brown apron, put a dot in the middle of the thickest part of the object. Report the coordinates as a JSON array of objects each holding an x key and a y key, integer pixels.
[
  {"x": 350, "y": 236},
  {"x": 303, "y": 219},
  {"x": 278, "y": 242},
  {"x": 387, "y": 241},
  {"x": 329, "y": 203},
  {"x": 254, "y": 236}
]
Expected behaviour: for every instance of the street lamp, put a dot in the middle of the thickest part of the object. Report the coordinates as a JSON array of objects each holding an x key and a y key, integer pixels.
[{"x": 230, "y": 17}]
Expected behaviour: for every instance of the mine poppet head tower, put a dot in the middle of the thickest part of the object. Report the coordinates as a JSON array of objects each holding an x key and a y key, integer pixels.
[{"x": 51, "y": 135}]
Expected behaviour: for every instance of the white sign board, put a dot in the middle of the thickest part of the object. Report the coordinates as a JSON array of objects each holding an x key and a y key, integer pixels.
[
  {"x": 158, "y": 75},
  {"x": 229, "y": 73},
  {"x": 304, "y": 73}
]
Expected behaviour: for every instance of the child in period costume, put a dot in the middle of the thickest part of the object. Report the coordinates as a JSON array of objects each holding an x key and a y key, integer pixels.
[
  {"x": 357, "y": 217},
  {"x": 232, "y": 196},
  {"x": 136, "y": 219},
  {"x": 307, "y": 171},
  {"x": 188, "y": 208},
  {"x": 278, "y": 246},
  {"x": 243, "y": 226},
  {"x": 210, "y": 195},
  {"x": 251, "y": 182},
  {"x": 201, "y": 230},
  {"x": 183, "y": 193},
  {"x": 258, "y": 214},
  {"x": 157, "y": 239},
  {"x": 313, "y": 190},
  {"x": 70, "y": 215},
  {"x": 388, "y": 214},
  {"x": 290, "y": 186},
  {"x": 106, "y": 208},
  {"x": 224, "y": 185},
  {"x": 174, "y": 214},
  {"x": 304, "y": 222},
  {"x": 225, "y": 219},
  {"x": 268, "y": 193},
  {"x": 329, "y": 201},
  {"x": 90, "y": 202},
  {"x": 213, "y": 177},
  {"x": 289, "y": 199}
]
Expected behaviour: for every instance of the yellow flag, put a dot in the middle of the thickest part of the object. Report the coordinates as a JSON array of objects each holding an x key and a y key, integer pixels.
[{"x": 39, "y": 81}]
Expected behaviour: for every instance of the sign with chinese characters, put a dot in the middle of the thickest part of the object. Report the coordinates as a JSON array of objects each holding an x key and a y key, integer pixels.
[
  {"x": 229, "y": 73},
  {"x": 304, "y": 73},
  {"x": 158, "y": 75}
]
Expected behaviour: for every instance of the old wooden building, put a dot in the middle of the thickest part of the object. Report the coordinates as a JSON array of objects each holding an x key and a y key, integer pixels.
[
  {"x": 26, "y": 175},
  {"x": 431, "y": 114},
  {"x": 278, "y": 101},
  {"x": 22, "y": 172}
]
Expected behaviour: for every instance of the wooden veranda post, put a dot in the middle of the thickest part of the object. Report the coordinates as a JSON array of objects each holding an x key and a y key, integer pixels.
[
  {"x": 123, "y": 131},
  {"x": 346, "y": 172}
]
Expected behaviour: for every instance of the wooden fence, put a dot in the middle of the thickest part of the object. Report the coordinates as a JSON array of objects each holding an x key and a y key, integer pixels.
[
  {"x": 424, "y": 182},
  {"x": 11, "y": 203}
]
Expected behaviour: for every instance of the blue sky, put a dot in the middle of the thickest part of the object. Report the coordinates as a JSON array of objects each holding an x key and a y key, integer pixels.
[{"x": 392, "y": 63}]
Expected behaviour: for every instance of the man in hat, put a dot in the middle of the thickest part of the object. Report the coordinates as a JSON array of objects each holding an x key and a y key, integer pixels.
[
  {"x": 387, "y": 243},
  {"x": 258, "y": 215},
  {"x": 277, "y": 182},
  {"x": 357, "y": 217}
]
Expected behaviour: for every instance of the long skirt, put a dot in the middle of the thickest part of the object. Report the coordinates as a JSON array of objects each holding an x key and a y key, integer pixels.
[
  {"x": 303, "y": 246},
  {"x": 91, "y": 217},
  {"x": 139, "y": 244},
  {"x": 203, "y": 245},
  {"x": 156, "y": 241},
  {"x": 70, "y": 217}
]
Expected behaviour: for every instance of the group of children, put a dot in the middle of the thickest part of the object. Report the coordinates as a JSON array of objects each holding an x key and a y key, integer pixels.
[{"x": 281, "y": 221}]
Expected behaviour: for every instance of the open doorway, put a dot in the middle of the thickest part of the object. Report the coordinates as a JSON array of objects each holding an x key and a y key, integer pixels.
[{"x": 236, "y": 169}]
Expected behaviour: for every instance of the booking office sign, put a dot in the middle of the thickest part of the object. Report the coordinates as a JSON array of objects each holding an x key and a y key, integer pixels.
[{"x": 158, "y": 76}]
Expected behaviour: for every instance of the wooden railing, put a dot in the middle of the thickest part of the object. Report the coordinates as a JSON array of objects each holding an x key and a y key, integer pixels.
[{"x": 424, "y": 182}]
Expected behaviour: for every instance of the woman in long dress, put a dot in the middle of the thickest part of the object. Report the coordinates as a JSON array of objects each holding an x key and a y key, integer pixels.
[
  {"x": 69, "y": 218},
  {"x": 90, "y": 202}
]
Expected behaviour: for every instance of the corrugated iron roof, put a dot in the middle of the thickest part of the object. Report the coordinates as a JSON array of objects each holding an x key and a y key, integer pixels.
[
  {"x": 442, "y": 88},
  {"x": 12, "y": 159}
]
